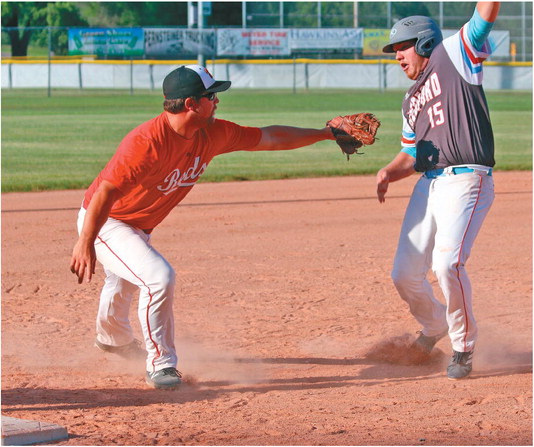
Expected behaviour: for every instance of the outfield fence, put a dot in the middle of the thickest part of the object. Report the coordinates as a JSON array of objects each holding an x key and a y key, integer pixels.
[{"x": 296, "y": 74}]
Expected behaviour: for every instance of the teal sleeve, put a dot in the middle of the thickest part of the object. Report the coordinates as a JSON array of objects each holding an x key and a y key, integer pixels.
[
  {"x": 478, "y": 30},
  {"x": 410, "y": 150}
]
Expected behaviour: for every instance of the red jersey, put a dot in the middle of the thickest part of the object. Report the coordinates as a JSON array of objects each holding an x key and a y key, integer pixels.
[{"x": 155, "y": 168}]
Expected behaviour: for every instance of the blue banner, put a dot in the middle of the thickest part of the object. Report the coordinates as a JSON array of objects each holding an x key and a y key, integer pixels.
[{"x": 106, "y": 41}]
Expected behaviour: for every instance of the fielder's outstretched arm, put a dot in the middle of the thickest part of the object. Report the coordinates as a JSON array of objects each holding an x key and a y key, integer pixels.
[
  {"x": 83, "y": 260},
  {"x": 274, "y": 138}
]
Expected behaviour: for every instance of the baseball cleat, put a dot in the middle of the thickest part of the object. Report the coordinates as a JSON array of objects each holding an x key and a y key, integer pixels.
[
  {"x": 165, "y": 378},
  {"x": 425, "y": 343},
  {"x": 131, "y": 351},
  {"x": 460, "y": 365}
]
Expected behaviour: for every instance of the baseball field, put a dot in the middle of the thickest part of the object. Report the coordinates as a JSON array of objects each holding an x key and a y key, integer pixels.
[
  {"x": 288, "y": 327},
  {"x": 62, "y": 142}
]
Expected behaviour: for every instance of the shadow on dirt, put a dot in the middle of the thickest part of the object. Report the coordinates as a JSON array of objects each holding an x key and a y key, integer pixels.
[{"x": 378, "y": 371}]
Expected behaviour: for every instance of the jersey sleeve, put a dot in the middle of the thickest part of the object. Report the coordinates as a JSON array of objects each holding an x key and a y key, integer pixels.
[
  {"x": 131, "y": 163},
  {"x": 469, "y": 48},
  {"x": 478, "y": 31},
  {"x": 230, "y": 137},
  {"x": 408, "y": 138}
]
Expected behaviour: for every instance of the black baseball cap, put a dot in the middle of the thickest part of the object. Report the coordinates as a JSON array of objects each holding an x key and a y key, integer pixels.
[{"x": 191, "y": 80}]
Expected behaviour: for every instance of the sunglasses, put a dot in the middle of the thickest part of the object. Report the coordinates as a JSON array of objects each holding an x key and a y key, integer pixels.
[{"x": 210, "y": 96}]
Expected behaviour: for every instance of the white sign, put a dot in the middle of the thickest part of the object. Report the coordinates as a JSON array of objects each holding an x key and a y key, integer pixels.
[
  {"x": 172, "y": 42},
  {"x": 253, "y": 42},
  {"x": 329, "y": 38}
]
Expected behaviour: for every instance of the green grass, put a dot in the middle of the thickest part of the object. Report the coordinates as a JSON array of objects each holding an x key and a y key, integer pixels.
[
  {"x": 33, "y": 50},
  {"x": 62, "y": 142}
]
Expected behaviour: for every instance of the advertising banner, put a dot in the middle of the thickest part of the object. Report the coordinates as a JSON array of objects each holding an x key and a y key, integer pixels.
[
  {"x": 253, "y": 42},
  {"x": 173, "y": 42},
  {"x": 106, "y": 41},
  {"x": 327, "y": 38},
  {"x": 374, "y": 39}
]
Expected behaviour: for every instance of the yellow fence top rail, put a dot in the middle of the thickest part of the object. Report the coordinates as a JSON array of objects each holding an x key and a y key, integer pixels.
[{"x": 92, "y": 60}]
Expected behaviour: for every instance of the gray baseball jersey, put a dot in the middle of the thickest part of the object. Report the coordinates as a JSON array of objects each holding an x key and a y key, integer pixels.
[{"x": 445, "y": 112}]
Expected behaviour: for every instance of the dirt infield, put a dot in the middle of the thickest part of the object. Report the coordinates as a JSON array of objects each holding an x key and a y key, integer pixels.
[{"x": 285, "y": 314}]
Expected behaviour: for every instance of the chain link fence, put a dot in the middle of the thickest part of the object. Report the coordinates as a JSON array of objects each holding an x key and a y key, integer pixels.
[
  {"x": 37, "y": 42},
  {"x": 514, "y": 17}
]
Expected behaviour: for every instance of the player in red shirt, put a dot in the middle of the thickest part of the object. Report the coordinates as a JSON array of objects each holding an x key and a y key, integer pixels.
[{"x": 153, "y": 169}]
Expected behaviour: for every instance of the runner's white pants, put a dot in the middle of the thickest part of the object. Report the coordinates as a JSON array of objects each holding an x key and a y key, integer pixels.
[
  {"x": 131, "y": 264},
  {"x": 441, "y": 223}
]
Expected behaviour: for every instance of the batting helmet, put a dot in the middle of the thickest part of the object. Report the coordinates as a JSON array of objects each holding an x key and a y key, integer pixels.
[{"x": 423, "y": 29}]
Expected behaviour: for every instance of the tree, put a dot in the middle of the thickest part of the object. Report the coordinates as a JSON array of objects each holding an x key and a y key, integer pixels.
[
  {"x": 225, "y": 14},
  {"x": 337, "y": 14},
  {"x": 15, "y": 15},
  {"x": 21, "y": 19},
  {"x": 401, "y": 10},
  {"x": 134, "y": 14}
]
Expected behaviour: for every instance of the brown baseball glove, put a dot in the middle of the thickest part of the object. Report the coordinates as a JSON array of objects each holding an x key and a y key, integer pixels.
[{"x": 353, "y": 131}]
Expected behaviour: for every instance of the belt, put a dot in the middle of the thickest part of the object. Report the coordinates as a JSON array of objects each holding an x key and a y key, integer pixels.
[{"x": 455, "y": 170}]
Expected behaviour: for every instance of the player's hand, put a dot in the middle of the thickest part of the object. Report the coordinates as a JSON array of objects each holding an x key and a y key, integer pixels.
[
  {"x": 382, "y": 183},
  {"x": 83, "y": 260}
]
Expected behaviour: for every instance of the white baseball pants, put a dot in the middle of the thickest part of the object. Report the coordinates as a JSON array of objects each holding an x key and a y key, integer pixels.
[
  {"x": 442, "y": 220},
  {"x": 131, "y": 264}
]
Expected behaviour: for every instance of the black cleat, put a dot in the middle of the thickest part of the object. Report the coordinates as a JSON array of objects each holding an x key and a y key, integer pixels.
[
  {"x": 425, "y": 344},
  {"x": 166, "y": 378},
  {"x": 460, "y": 365},
  {"x": 131, "y": 351}
]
